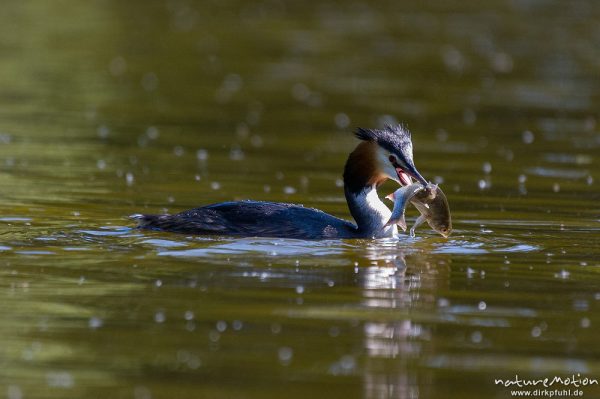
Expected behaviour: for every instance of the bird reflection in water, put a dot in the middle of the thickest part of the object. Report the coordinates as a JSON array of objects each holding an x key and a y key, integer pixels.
[{"x": 399, "y": 290}]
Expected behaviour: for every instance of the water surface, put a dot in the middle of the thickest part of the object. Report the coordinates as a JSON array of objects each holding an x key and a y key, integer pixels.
[{"x": 113, "y": 108}]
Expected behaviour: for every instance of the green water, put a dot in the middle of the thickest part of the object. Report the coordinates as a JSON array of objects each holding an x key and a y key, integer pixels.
[{"x": 112, "y": 108}]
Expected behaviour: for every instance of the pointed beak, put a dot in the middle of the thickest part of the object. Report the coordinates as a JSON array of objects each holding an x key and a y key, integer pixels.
[
  {"x": 404, "y": 175},
  {"x": 413, "y": 172}
]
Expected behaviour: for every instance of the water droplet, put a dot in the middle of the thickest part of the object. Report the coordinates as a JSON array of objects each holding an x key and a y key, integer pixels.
[
  {"x": 342, "y": 120},
  {"x": 221, "y": 326},
  {"x": 95, "y": 322},
  {"x": 275, "y": 328},
  {"x": 103, "y": 131},
  {"x": 347, "y": 362},
  {"x": 502, "y": 63},
  {"x": 476, "y": 337},
  {"x": 289, "y": 190},
  {"x": 285, "y": 355},
  {"x": 563, "y": 274},
  {"x": 214, "y": 336},
  {"x": 581, "y": 305},
  {"x": 188, "y": 315},
  {"x": 334, "y": 332},
  {"x": 300, "y": 92},
  {"x": 149, "y": 81},
  {"x": 255, "y": 110},
  {"x": 299, "y": 289},
  {"x": 528, "y": 137},
  {"x": 453, "y": 59},
  {"x": 256, "y": 141},
  {"x": 469, "y": 117},
  {"x": 194, "y": 362},
  {"x": 232, "y": 82},
  {"x": 237, "y": 325},
  {"x": 5, "y": 138},
  {"x": 585, "y": 322},
  {"x": 589, "y": 123},
  {"x": 487, "y": 168},
  {"x": 536, "y": 332},
  {"x": 160, "y": 317},
  {"x": 129, "y": 178},
  {"x": 183, "y": 356},
  {"x": 441, "y": 135},
  {"x": 304, "y": 181},
  {"x": 482, "y": 305},
  {"x": 190, "y": 326},
  {"x": 152, "y": 132},
  {"x": 242, "y": 130},
  {"x": 117, "y": 66},
  {"x": 178, "y": 151},
  {"x": 202, "y": 154},
  {"x": 236, "y": 154}
]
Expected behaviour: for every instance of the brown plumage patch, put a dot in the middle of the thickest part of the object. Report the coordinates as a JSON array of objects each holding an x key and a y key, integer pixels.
[{"x": 362, "y": 168}]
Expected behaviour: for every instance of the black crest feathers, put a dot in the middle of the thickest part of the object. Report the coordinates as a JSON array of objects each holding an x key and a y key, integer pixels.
[{"x": 392, "y": 138}]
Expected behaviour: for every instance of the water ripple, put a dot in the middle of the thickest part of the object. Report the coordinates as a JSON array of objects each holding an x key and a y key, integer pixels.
[{"x": 271, "y": 247}]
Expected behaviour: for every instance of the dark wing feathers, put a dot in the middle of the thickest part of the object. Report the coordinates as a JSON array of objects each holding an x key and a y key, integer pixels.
[{"x": 252, "y": 218}]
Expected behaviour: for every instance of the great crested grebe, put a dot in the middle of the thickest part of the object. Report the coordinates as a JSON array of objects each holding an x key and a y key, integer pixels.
[{"x": 381, "y": 155}]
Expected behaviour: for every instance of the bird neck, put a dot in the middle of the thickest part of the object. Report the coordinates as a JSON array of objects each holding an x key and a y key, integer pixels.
[{"x": 361, "y": 179}]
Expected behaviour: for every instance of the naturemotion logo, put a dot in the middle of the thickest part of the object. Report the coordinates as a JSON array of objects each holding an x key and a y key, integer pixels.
[
  {"x": 549, "y": 387},
  {"x": 574, "y": 381}
]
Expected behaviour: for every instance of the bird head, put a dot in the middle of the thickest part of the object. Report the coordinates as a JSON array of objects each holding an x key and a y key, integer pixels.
[{"x": 394, "y": 153}]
